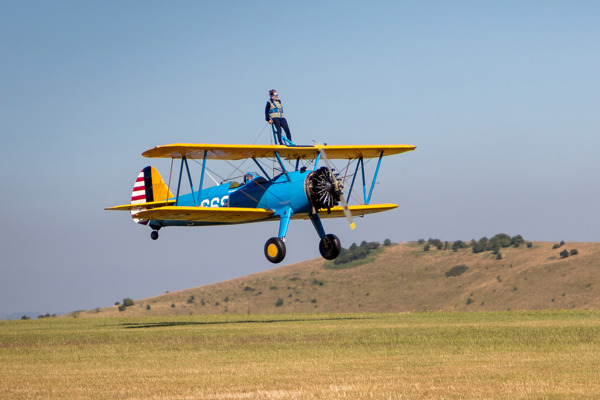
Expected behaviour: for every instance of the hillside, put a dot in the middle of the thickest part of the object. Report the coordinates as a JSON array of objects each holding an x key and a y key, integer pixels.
[{"x": 399, "y": 278}]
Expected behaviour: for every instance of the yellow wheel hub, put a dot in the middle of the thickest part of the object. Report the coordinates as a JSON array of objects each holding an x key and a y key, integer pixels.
[{"x": 272, "y": 250}]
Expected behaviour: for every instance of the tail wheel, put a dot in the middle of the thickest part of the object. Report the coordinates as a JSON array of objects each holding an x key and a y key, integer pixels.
[
  {"x": 275, "y": 250},
  {"x": 330, "y": 247}
]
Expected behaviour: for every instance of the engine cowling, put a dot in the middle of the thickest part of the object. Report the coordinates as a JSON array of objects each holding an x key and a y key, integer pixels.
[{"x": 323, "y": 188}]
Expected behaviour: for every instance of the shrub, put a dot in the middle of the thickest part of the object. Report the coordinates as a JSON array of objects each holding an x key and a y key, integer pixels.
[
  {"x": 355, "y": 252},
  {"x": 564, "y": 254},
  {"x": 457, "y": 270},
  {"x": 495, "y": 248},
  {"x": 459, "y": 244},
  {"x": 191, "y": 299},
  {"x": 122, "y": 307},
  {"x": 279, "y": 302},
  {"x": 478, "y": 246},
  {"x": 387, "y": 242},
  {"x": 499, "y": 256},
  {"x": 148, "y": 307},
  {"x": 127, "y": 302},
  {"x": 436, "y": 242},
  {"x": 426, "y": 247},
  {"x": 556, "y": 246},
  {"x": 502, "y": 239},
  {"x": 529, "y": 245},
  {"x": 574, "y": 252},
  {"x": 516, "y": 241}
]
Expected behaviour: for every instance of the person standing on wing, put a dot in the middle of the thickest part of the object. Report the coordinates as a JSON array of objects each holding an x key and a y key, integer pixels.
[{"x": 274, "y": 116}]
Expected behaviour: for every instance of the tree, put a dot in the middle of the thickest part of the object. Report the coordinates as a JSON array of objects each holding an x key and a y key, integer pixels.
[
  {"x": 574, "y": 252},
  {"x": 564, "y": 254},
  {"x": 127, "y": 302},
  {"x": 387, "y": 242},
  {"x": 502, "y": 239},
  {"x": 516, "y": 241},
  {"x": 496, "y": 247},
  {"x": 458, "y": 244}
]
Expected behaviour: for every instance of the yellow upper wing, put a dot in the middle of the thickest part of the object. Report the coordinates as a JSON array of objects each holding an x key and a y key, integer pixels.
[{"x": 239, "y": 152}]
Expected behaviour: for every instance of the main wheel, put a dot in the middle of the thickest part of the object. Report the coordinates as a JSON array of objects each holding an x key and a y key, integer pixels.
[
  {"x": 154, "y": 235},
  {"x": 330, "y": 247},
  {"x": 275, "y": 250}
]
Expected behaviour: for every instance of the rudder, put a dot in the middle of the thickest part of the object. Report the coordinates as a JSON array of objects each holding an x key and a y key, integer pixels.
[{"x": 148, "y": 187}]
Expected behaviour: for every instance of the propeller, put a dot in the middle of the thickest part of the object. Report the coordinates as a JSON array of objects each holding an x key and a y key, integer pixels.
[{"x": 338, "y": 186}]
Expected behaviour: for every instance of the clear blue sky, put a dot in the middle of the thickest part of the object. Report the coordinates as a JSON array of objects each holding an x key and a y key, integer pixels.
[{"x": 500, "y": 97}]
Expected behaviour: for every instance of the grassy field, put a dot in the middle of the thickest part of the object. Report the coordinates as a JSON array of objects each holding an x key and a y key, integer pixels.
[{"x": 495, "y": 355}]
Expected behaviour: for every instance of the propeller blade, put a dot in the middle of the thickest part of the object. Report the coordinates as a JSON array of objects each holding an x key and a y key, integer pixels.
[{"x": 347, "y": 212}]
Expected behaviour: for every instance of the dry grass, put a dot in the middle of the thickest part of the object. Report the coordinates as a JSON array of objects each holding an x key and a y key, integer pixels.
[
  {"x": 507, "y": 355},
  {"x": 401, "y": 278}
]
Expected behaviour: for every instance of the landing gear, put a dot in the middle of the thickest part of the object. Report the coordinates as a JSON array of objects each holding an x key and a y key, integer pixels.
[
  {"x": 330, "y": 247},
  {"x": 275, "y": 250},
  {"x": 154, "y": 235}
]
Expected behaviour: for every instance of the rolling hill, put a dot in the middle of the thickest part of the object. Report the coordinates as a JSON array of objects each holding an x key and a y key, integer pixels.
[{"x": 398, "y": 278}]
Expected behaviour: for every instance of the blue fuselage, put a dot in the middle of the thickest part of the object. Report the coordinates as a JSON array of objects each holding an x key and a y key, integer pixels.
[{"x": 285, "y": 192}]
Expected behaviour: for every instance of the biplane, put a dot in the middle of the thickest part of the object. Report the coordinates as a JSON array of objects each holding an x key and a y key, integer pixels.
[{"x": 299, "y": 187}]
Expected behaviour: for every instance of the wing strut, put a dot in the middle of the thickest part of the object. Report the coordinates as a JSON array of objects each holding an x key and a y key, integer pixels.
[
  {"x": 262, "y": 169},
  {"x": 201, "y": 177},
  {"x": 187, "y": 168},
  {"x": 361, "y": 164},
  {"x": 282, "y": 166}
]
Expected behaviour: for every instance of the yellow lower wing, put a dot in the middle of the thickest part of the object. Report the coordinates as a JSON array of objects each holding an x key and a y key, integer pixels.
[
  {"x": 233, "y": 215},
  {"x": 357, "y": 211},
  {"x": 229, "y": 215}
]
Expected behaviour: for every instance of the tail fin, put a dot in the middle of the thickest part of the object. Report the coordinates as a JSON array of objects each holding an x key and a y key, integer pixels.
[{"x": 149, "y": 187}]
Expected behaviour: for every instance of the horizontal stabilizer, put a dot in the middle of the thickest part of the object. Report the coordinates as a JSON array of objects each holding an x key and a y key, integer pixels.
[{"x": 153, "y": 204}]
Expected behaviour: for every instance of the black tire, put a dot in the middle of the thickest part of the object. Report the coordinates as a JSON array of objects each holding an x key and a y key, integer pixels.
[
  {"x": 330, "y": 247},
  {"x": 275, "y": 250},
  {"x": 154, "y": 235}
]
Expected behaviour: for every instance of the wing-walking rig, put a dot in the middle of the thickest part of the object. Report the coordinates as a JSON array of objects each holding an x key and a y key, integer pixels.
[{"x": 305, "y": 192}]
